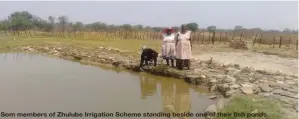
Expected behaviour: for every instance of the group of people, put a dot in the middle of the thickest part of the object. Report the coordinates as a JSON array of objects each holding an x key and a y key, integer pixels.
[{"x": 175, "y": 47}]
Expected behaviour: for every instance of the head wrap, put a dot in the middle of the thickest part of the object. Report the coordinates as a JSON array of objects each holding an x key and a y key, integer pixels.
[{"x": 166, "y": 29}]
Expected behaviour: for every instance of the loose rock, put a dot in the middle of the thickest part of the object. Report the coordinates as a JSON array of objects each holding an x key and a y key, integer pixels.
[
  {"x": 213, "y": 97},
  {"x": 223, "y": 87},
  {"x": 230, "y": 93},
  {"x": 265, "y": 94},
  {"x": 228, "y": 79},
  {"x": 235, "y": 86},
  {"x": 279, "y": 78},
  {"x": 266, "y": 88},
  {"x": 211, "y": 109},
  {"x": 247, "y": 88}
]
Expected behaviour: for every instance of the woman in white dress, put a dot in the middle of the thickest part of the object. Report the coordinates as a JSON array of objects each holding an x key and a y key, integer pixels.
[
  {"x": 183, "y": 48},
  {"x": 168, "y": 46}
]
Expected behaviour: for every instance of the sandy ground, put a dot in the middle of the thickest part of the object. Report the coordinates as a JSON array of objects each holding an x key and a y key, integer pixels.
[{"x": 255, "y": 60}]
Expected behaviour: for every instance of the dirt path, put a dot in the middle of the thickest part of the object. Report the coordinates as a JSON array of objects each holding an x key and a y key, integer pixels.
[{"x": 255, "y": 60}]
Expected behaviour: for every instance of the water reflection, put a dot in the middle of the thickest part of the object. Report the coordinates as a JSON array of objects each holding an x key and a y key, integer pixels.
[
  {"x": 148, "y": 87},
  {"x": 50, "y": 84},
  {"x": 17, "y": 56},
  {"x": 175, "y": 95}
]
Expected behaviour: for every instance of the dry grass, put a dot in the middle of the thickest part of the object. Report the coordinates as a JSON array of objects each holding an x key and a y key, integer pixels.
[
  {"x": 262, "y": 38},
  {"x": 91, "y": 40}
]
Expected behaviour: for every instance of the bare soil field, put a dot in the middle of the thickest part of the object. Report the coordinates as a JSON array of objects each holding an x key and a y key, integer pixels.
[{"x": 256, "y": 60}]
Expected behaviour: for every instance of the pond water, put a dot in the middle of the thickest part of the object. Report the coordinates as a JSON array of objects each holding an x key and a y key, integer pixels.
[{"x": 34, "y": 83}]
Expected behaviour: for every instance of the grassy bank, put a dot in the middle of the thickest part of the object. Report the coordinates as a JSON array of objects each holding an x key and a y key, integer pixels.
[{"x": 253, "y": 107}]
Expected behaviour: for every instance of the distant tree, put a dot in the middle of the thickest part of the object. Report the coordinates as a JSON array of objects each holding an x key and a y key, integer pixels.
[
  {"x": 103, "y": 26},
  {"x": 273, "y": 31},
  {"x": 211, "y": 28},
  {"x": 89, "y": 27},
  {"x": 287, "y": 30},
  {"x": 192, "y": 26},
  {"x": 138, "y": 27},
  {"x": 96, "y": 26},
  {"x": 256, "y": 30},
  {"x": 112, "y": 27},
  {"x": 21, "y": 21},
  {"x": 25, "y": 21},
  {"x": 126, "y": 26},
  {"x": 45, "y": 26},
  {"x": 78, "y": 26},
  {"x": 176, "y": 28},
  {"x": 4, "y": 25},
  {"x": 157, "y": 29},
  {"x": 147, "y": 28},
  {"x": 52, "y": 21},
  {"x": 63, "y": 20},
  {"x": 1, "y": 25},
  {"x": 238, "y": 27}
]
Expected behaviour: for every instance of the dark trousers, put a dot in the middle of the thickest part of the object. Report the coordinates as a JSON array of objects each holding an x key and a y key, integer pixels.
[
  {"x": 180, "y": 63},
  {"x": 144, "y": 60}
]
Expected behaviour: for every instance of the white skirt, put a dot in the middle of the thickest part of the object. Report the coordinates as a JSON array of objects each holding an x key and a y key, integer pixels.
[{"x": 168, "y": 50}]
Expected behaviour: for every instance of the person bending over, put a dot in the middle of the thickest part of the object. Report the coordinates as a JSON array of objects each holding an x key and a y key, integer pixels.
[{"x": 147, "y": 55}]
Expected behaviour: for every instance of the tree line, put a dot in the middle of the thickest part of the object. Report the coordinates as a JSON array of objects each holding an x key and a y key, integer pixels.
[{"x": 25, "y": 21}]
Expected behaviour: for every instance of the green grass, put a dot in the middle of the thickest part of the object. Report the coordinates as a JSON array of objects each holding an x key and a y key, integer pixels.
[{"x": 256, "y": 104}]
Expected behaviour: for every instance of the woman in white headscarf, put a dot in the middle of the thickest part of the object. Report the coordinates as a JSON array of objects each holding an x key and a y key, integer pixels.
[
  {"x": 168, "y": 46},
  {"x": 183, "y": 48}
]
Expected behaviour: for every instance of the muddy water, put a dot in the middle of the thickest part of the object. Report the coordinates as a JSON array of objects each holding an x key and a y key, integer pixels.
[
  {"x": 33, "y": 83},
  {"x": 256, "y": 60}
]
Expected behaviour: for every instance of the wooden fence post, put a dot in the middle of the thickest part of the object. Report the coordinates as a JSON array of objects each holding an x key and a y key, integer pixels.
[
  {"x": 254, "y": 40},
  {"x": 198, "y": 37},
  {"x": 241, "y": 36},
  {"x": 226, "y": 36},
  {"x": 126, "y": 35},
  {"x": 213, "y": 37},
  {"x": 280, "y": 41},
  {"x": 220, "y": 37},
  {"x": 261, "y": 39},
  {"x": 209, "y": 37},
  {"x": 273, "y": 42},
  {"x": 297, "y": 45},
  {"x": 203, "y": 37},
  {"x": 289, "y": 42}
]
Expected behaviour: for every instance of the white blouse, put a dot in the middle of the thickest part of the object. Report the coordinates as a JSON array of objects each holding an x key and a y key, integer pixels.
[
  {"x": 185, "y": 36},
  {"x": 168, "y": 38}
]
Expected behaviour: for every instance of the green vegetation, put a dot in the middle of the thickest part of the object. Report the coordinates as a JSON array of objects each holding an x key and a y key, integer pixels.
[{"x": 254, "y": 104}]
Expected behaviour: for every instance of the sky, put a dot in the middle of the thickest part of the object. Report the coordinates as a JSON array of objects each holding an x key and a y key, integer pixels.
[{"x": 268, "y": 15}]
